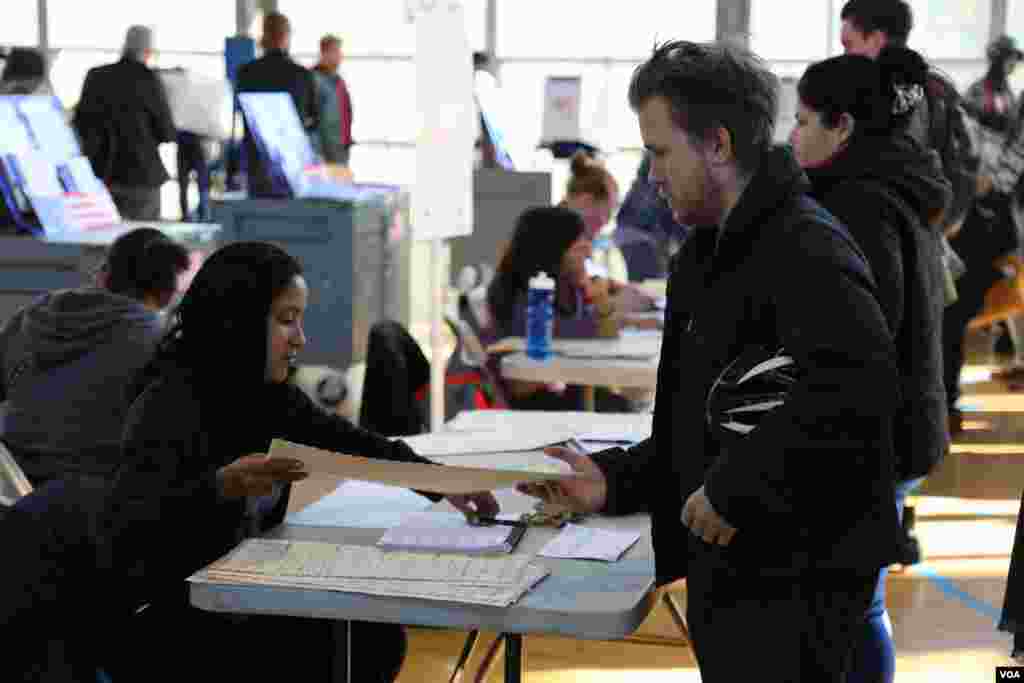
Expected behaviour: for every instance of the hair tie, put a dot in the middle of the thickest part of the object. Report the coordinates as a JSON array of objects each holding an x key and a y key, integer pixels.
[{"x": 907, "y": 98}]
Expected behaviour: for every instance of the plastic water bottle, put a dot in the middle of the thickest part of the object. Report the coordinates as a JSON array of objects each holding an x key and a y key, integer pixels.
[{"x": 540, "y": 316}]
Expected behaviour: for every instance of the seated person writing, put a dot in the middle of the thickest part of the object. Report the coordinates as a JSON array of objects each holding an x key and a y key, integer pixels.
[
  {"x": 553, "y": 240},
  {"x": 194, "y": 480},
  {"x": 67, "y": 358}
]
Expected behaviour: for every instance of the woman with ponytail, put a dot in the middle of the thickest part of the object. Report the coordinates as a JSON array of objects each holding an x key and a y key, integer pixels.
[{"x": 850, "y": 138}]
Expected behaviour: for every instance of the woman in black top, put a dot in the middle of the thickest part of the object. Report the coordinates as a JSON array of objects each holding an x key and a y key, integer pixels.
[
  {"x": 195, "y": 482},
  {"x": 889, "y": 192}
]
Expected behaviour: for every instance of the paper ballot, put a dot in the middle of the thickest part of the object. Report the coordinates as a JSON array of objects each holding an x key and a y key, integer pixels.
[
  {"x": 362, "y": 569},
  {"x": 577, "y": 542},
  {"x": 487, "y": 441},
  {"x": 423, "y": 477}
]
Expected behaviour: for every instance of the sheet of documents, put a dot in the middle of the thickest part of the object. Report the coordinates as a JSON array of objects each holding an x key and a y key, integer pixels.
[
  {"x": 586, "y": 425},
  {"x": 487, "y": 441},
  {"x": 362, "y": 569},
  {"x": 361, "y": 505},
  {"x": 631, "y": 347},
  {"x": 443, "y": 479},
  {"x": 577, "y": 542},
  {"x": 445, "y": 532},
  {"x": 39, "y": 174}
]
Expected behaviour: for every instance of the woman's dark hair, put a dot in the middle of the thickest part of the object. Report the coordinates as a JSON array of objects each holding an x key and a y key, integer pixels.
[
  {"x": 24, "y": 64},
  {"x": 542, "y": 236},
  {"x": 144, "y": 262},
  {"x": 218, "y": 332},
  {"x": 880, "y": 94}
]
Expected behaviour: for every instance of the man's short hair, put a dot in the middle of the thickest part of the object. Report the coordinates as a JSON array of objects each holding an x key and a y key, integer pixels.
[
  {"x": 276, "y": 28},
  {"x": 329, "y": 41},
  {"x": 711, "y": 85},
  {"x": 894, "y": 18}
]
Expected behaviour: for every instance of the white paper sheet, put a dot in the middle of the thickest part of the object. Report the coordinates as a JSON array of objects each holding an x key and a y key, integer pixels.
[
  {"x": 586, "y": 425},
  {"x": 361, "y": 505},
  {"x": 577, "y": 542},
  {"x": 467, "y": 443}
]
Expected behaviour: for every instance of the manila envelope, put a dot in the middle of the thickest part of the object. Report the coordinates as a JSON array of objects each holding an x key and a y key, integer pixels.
[{"x": 444, "y": 479}]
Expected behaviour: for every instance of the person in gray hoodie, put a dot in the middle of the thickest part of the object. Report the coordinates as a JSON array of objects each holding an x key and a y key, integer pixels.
[{"x": 67, "y": 359}]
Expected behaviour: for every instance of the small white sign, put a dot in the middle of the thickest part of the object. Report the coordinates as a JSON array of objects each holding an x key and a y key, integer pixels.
[{"x": 561, "y": 109}]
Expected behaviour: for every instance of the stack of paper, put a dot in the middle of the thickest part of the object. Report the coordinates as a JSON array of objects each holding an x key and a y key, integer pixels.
[
  {"x": 582, "y": 425},
  {"x": 488, "y": 581},
  {"x": 437, "y": 444},
  {"x": 442, "y": 532},
  {"x": 623, "y": 348},
  {"x": 577, "y": 542}
]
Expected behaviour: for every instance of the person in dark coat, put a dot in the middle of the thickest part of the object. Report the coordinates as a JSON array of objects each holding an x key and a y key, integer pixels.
[
  {"x": 850, "y": 138},
  {"x": 194, "y": 482},
  {"x": 67, "y": 359},
  {"x": 121, "y": 119},
  {"x": 779, "y": 567},
  {"x": 276, "y": 71}
]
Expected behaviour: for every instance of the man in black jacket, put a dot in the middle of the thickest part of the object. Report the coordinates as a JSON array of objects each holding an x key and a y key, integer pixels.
[
  {"x": 780, "y": 533},
  {"x": 275, "y": 71},
  {"x": 121, "y": 118}
]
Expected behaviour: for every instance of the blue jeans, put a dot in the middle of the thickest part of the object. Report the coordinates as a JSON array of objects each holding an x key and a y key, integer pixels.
[{"x": 874, "y": 656}]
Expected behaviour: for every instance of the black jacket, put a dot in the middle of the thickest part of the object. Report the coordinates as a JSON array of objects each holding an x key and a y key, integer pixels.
[
  {"x": 164, "y": 518},
  {"x": 275, "y": 71},
  {"x": 121, "y": 119},
  {"x": 812, "y": 486},
  {"x": 886, "y": 191}
]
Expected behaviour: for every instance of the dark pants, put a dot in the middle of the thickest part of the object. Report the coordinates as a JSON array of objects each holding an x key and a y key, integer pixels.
[
  {"x": 192, "y": 157},
  {"x": 187, "y": 644},
  {"x": 747, "y": 626},
  {"x": 1012, "y": 618},
  {"x": 970, "y": 289},
  {"x": 137, "y": 203}
]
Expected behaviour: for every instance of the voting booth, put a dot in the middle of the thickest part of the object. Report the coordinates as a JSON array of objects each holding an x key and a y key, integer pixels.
[
  {"x": 58, "y": 218},
  {"x": 346, "y": 235}
]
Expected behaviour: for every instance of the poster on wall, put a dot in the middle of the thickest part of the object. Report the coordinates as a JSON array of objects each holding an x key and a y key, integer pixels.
[
  {"x": 561, "y": 120},
  {"x": 443, "y": 194}
]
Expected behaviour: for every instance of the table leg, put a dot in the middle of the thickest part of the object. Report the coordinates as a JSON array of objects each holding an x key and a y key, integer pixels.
[
  {"x": 343, "y": 660},
  {"x": 589, "y": 402},
  {"x": 514, "y": 657}
]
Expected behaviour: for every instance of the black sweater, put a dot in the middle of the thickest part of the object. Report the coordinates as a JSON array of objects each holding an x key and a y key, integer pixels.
[{"x": 164, "y": 517}]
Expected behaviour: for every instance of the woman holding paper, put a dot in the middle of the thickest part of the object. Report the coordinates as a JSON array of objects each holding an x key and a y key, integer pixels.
[{"x": 195, "y": 481}]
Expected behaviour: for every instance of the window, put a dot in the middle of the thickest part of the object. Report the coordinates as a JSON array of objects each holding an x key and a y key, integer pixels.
[
  {"x": 20, "y": 25},
  {"x": 383, "y": 99},
  {"x": 200, "y": 25},
  {"x": 67, "y": 72},
  {"x": 800, "y": 32},
  {"x": 377, "y": 28},
  {"x": 951, "y": 29},
  {"x": 588, "y": 29}
]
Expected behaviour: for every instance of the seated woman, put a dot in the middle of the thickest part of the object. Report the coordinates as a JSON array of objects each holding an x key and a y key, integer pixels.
[
  {"x": 593, "y": 193},
  {"x": 66, "y": 359},
  {"x": 194, "y": 480},
  {"x": 890, "y": 192},
  {"x": 553, "y": 240}
]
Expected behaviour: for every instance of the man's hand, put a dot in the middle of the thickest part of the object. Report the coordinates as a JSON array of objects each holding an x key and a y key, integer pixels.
[
  {"x": 704, "y": 522},
  {"x": 255, "y": 475},
  {"x": 587, "y": 492},
  {"x": 985, "y": 183},
  {"x": 482, "y": 504}
]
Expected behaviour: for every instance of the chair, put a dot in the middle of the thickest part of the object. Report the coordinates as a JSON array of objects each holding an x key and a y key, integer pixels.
[
  {"x": 14, "y": 485},
  {"x": 396, "y": 373}
]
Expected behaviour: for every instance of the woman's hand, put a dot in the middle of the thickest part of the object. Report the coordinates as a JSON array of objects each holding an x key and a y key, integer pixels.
[
  {"x": 482, "y": 504},
  {"x": 256, "y": 474}
]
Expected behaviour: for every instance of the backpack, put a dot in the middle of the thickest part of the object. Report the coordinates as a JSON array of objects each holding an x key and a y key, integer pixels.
[{"x": 941, "y": 124}]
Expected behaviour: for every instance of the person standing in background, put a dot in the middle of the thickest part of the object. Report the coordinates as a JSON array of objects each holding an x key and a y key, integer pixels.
[
  {"x": 121, "y": 119},
  {"x": 24, "y": 73},
  {"x": 276, "y": 71},
  {"x": 335, "y": 130}
]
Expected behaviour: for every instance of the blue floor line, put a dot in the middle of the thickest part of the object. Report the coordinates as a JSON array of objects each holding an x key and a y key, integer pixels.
[{"x": 948, "y": 587}]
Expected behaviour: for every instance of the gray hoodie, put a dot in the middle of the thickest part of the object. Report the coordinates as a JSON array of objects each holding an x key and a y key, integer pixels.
[{"x": 65, "y": 363}]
